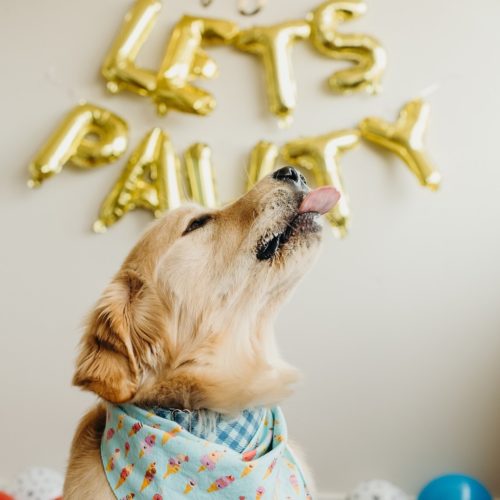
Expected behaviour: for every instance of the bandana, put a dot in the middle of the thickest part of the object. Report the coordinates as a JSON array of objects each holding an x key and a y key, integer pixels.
[{"x": 164, "y": 454}]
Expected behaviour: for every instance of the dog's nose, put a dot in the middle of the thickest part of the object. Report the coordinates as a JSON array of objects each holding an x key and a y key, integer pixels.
[{"x": 289, "y": 174}]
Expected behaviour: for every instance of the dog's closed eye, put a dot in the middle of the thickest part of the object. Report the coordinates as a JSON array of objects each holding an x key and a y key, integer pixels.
[{"x": 197, "y": 223}]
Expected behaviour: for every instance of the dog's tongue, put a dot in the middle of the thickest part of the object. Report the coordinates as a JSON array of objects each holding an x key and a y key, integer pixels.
[{"x": 319, "y": 200}]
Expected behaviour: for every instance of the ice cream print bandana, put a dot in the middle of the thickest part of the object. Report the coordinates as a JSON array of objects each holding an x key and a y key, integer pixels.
[{"x": 151, "y": 454}]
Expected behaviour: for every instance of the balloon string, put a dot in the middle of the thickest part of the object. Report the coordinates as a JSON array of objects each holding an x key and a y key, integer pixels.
[{"x": 429, "y": 90}]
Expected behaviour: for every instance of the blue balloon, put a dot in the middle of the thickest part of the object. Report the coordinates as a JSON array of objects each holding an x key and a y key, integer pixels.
[{"x": 455, "y": 487}]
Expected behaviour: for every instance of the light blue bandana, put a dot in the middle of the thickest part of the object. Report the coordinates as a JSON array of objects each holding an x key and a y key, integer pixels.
[{"x": 168, "y": 455}]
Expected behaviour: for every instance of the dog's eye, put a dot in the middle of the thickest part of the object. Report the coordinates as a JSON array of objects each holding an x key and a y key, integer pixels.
[{"x": 197, "y": 223}]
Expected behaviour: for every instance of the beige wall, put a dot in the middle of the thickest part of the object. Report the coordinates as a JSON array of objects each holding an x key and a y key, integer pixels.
[{"x": 397, "y": 328}]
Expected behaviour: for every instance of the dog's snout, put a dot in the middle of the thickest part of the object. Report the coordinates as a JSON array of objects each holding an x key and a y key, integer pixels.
[{"x": 289, "y": 174}]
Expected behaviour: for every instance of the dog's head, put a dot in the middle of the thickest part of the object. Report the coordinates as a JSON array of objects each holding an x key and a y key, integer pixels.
[{"x": 187, "y": 321}]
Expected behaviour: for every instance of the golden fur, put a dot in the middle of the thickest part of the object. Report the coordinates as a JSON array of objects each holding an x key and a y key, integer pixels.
[{"x": 187, "y": 321}]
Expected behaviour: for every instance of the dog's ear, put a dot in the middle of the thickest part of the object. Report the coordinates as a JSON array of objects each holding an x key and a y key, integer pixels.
[{"x": 122, "y": 339}]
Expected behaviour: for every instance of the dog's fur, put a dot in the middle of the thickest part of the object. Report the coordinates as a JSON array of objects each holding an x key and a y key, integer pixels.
[{"x": 187, "y": 321}]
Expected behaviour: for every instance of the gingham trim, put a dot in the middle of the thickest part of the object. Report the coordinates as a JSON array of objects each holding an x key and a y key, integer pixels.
[{"x": 236, "y": 433}]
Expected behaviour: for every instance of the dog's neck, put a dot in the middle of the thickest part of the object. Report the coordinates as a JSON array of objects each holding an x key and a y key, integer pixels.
[{"x": 245, "y": 370}]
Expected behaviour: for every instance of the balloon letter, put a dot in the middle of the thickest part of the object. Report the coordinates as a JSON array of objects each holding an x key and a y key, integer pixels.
[
  {"x": 151, "y": 180},
  {"x": 119, "y": 67},
  {"x": 262, "y": 162},
  {"x": 405, "y": 137},
  {"x": 87, "y": 137},
  {"x": 273, "y": 45},
  {"x": 363, "y": 50},
  {"x": 321, "y": 156},
  {"x": 185, "y": 60},
  {"x": 201, "y": 176}
]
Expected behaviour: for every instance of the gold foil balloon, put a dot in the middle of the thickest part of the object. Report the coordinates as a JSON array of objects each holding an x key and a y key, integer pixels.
[
  {"x": 119, "y": 68},
  {"x": 321, "y": 156},
  {"x": 364, "y": 51},
  {"x": 273, "y": 45},
  {"x": 88, "y": 136},
  {"x": 405, "y": 137},
  {"x": 263, "y": 159},
  {"x": 151, "y": 180},
  {"x": 200, "y": 175},
  {"x": 185, "y": 60}
]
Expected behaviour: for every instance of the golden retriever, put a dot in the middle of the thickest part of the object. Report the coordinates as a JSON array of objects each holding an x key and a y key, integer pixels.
[{"x": 188, "y": 320}]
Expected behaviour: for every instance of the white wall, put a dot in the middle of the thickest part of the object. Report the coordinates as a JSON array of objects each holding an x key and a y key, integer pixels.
[{"x": 397, "y": 327}]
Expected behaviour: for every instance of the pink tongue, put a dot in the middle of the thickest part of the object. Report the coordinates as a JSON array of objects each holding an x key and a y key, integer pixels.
[{"x": 319, "y": 200}]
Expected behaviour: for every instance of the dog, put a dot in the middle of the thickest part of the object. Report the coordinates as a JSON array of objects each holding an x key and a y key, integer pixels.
[{"x": 186, "y": 326}]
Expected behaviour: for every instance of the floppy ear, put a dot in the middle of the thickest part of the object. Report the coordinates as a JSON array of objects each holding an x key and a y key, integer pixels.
[{"x": 123, "y": 338}]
